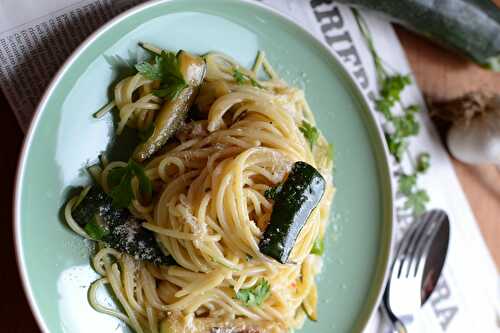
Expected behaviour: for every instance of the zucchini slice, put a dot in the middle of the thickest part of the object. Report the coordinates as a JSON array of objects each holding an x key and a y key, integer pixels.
[
  {"x": 299, "y": 195},
  {"x": 173, "y": 113},
  {"x": 118, "y": 228}
]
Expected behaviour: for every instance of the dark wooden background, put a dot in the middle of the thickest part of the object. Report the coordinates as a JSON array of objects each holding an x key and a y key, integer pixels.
[{"x": 441, "y": 76}]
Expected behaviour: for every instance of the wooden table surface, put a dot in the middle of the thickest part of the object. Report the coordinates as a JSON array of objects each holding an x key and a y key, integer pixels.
[{"x": 440, "y": 74}]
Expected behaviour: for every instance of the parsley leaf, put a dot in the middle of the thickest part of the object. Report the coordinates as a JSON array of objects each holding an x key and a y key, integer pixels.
[
  {"x": 417, "y": 201},
  {"x": 95, "y": 231},
  {"x": 170, "y": 91},
  {"x": 121, "y": 193},
  {"x": 242, "y": 78},
  {"x": 406, "y": 183},
  {"x": 120, "y": 182},
  {"x": 390, "y": 93},
  {"x": 145, "y": 185},
  {"x": 318, "y": 246},
  {"x": 272, "y": 192},
  {"x": 115, "y": 176},
  {"x": 401, "y": 126},
  {"x": 165, "y": 69},
  {"x": 423, "y": 162},
  {"x": 310, "y": 133},
  {"x": 256, "y": 295},
  {"x": 151, "y": 71},
  {"x": 406, "y": 125},
  {"x": 384, "y": 106},
  {"x": 396, "y": 146},
  {"x": 392, "y": 86}
]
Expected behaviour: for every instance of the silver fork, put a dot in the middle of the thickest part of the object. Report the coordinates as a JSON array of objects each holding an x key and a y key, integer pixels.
[{"x": 403, "y": 294}]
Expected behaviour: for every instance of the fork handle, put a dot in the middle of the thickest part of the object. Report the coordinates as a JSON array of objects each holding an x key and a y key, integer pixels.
[{"x": 396, "y": 325}]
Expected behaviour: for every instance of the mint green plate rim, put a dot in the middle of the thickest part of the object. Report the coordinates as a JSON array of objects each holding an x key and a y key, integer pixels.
[{"x": 389, "y": 212}]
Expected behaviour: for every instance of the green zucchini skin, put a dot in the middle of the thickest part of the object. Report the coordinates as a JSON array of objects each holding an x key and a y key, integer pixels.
[
  {"x": 173, "y": 113},
  {"x": 299, "y": 195},
  {"x": 124, "y": 232},
  {"x": 471, "y": 27}
]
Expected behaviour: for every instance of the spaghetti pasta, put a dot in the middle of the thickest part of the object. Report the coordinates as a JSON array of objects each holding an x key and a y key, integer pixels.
[{"x": 210, "y": 209}]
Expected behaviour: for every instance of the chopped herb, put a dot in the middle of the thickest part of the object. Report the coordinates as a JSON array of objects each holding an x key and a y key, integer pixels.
[
  {"x": 95, "y": 231},
  {"x": 405, "y": 125},
  {"x": 145, "y": 185},
  {"x": 151, "y": 71},
  {"x": 165, "y": 69},
  {"x": 318, "y": 246},
  {"x": 255, "y": 295},
  {"x": 417, "y": 201},
  {"x": 406, "y": 183},
  {"x": 170, "y": 91},
  {"x": 272, "y": 192},
  {"x": 423, "y": 162},
  {"x": 115, "y": 176},
  {"x": 384, "y": 106},
  {"x": 392, "y": 86},
  {"x": 396, "y": 146},
  {"x": 120, "y": 182},
  {"x": 310, "y": 133},
  {"x": 242, "y": 78},
  {"x": 390, "y": 93}
]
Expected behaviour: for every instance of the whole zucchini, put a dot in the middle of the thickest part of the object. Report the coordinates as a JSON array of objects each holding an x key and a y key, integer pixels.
[{"x": 471, "y": 27}]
